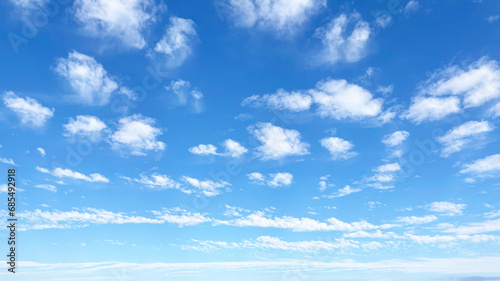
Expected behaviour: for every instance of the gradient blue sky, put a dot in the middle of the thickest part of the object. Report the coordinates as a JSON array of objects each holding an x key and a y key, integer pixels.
[{"x": 252, "y": 140}]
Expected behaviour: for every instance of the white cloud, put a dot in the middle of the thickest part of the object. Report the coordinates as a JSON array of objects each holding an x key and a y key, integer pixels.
[
  {"x": 483, "y": 167},
  {"x": 181, "y": 217},
  {"x": 392, "y": 167},
  {"x": 204, "y": 149},
  {"x": 87, "y": 77},
  {"x": 335, "y": 99},
  {"x": 343, "y": 192},
  {"x": 123, "y": 20},
  {"x": 382, "y": 178},
  {"x": 259, "y": 219},
  {"x": 176, "y": 43},
  {"x": 48, "y": 187},
  {"x": 476, "y": 227},
  {"x": 233, "y": 148},
  {"x": 395, "y": 138},
  {"x": 272, "y": 180},
  {"x": 7, "y": 161},
  {"x": 277, "y": 142},
  {"x": 281, "y": 100},
  {"x": 278, "y": 16},
  {"x": 345, "y": 38},
  {"x": 275, "y": 243},
  {"x": 432, "y": 108},
  {"x": 339, "y": 149},
  {"x": 495, "y": 110},
  {"x": 67, "y": 173},
  {"x": 208, "y": 188},
  {"x": 411, "y": 6},
  {"x": 417, "y": 220},
  {"x": 492, "y": 19},
  {"x": 89, "y": 127},
  {"x": 41, "y": 151},
  {"x": 338, "y": 99},
  {"x": 158, "y": 181},
  {"x": 448, "y": 208},
  {"x": 136, "y": 135},
  {"x": 477, "y": 83},
  {"x": 30, "y": 111},
  {"x": 323, "y": 184},
  {"x": 38, "y": 219},
  {"x": 459, "y": 137}
]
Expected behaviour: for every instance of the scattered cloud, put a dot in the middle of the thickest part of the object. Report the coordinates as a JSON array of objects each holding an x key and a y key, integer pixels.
[
  {"x": 30, "y": 111},
  {"x": 411, "y": 6},
  {"x": 121, "y": 20},
  {"x": 392, "y": 167},
  {"x": 395, "y": 138},
  {"x": 185, "y": 94},
  {"x": 432, "y": 108},
  {"x": 137, "y": 135},
  {"x": 280, "y": 17},
  {"x": 41, "y": 151},
  {"x": 417, "y": 220},
  {"x": 176, "y": 44},
  {"x": 272, "y": 180},
  {"x": 447, "y": 208},
  {"x": 339, "y": 149},
  {"x": 459, "y": 137},
  {"x": 67, "y": 173},
  {"x": 488, "y": 166},
  {"x": 85, "y": 126},
  {"x": 208, "y": 188},
  {"x": 232, "y": 149},
  {"x": 277, "y": 142},
  {"x": 158, "y": 181},
  {"x": 336, "y": 99},
  {"x": 48, "y": 187},
  {"x": 345, "y": 39},
  {"x": 7, "y": 161},
  {"x": 342, "y": 192},
  {"x": 90, "y": 81}
]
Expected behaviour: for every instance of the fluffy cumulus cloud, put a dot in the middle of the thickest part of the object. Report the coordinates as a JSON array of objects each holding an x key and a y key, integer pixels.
[
  {"x": 272, "y": 180},
  {"x": 30, "y": 111},
  {"x": 339, "y": 149},
  {"x": 121, "y": 20},
  {"x": 84, "y": 126},
  {"x": 336, "y": 99},
  {"x": 345, "y": 39},
  {"x": 485, "y": 167},
  {"x": 232, "y": 149},
  {"x": 395, "y": 138},
  {"x": 208, "y": 188},
  {"x": 282, "y": 17},
  {"x": 136, "y": 135},
  {"x": 391, "y": 167},
  {"x": 176, "y": 43},
  {"x": 90, "y": 81},
  {"x": 432, "y": 108},
  {"x": 204, "y": 149},
  {"x": 277, "y": 142},
  {"x": 447, "y": 90},
  {"x": 447, "y": 208},
  {"x": 67, "y": 173},
  {"x": 459, "y": 137}
]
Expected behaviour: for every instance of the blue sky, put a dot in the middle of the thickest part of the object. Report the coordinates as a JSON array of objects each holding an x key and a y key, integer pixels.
[{"x": 252, "y": 140}]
